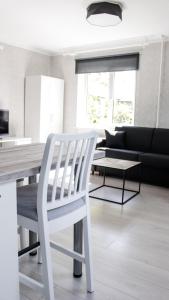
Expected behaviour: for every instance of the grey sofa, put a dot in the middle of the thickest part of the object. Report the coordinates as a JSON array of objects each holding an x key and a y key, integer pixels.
[{"x": 148, "y": 145}]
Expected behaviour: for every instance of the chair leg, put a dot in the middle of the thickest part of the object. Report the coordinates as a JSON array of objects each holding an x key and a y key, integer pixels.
[
  {"x": 39, "y": 256},
  {"x": 47, "y": 265},
  {"x": 22, "y": 237},
  {"x": 88, "y": 254}
]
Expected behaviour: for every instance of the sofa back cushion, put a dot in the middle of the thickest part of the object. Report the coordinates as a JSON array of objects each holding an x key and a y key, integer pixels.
[
  {"x": 115, "y": 139},
  {"x": 137, "y": 138},
  {"x": 160, "y": 142}
]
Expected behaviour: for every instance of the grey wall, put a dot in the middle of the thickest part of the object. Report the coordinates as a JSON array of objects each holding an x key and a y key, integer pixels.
[
  {"x": 164, "y": 100},
  {"x": 64, "y": 67},
  {"x": 147, "y": 89},
  {"x": 15, "y": 64}
]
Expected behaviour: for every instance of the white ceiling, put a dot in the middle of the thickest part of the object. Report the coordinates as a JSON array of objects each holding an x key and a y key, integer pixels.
[{"x": 53, "y": 26}]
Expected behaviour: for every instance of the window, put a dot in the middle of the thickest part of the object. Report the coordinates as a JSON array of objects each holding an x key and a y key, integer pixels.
[
  {"x": 106, "y": 99},
  {"x": 106, "y": 90}
]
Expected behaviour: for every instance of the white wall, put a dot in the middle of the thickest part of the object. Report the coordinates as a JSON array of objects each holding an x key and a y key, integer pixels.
[
  {"x": 15, "y": 64},
  {"x": 147, "y": 89}
]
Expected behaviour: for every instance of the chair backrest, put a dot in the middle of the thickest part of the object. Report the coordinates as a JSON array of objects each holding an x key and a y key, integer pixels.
[{"x": 73, "y": 153}]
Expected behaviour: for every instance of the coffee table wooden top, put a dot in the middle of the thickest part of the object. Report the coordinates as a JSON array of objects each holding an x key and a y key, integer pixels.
[{"x": 115, "y": 163}]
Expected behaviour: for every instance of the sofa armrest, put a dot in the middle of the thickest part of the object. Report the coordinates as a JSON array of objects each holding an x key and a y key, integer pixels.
[{"x": 101, "y": 144}]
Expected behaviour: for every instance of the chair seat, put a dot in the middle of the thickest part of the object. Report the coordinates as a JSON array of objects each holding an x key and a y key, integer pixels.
[{"x": 27, "y": 203}]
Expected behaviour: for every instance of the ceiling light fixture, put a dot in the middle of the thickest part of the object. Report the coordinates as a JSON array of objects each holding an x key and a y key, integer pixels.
[{"x": 107, "y": 13}]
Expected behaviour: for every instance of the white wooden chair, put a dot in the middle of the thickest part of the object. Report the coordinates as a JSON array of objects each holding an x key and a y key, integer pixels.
[{"x": 44, "y": 208}]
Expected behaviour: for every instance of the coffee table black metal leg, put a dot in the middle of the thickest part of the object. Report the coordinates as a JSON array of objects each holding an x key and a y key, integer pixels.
[
  {"x": 140, "y": 168},
  {"x": 78, "y": 247},
  {"x": 123, "y": 188}
]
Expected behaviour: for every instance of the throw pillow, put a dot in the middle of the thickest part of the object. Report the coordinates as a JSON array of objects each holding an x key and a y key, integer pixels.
[{"x": 115, "y": 139}]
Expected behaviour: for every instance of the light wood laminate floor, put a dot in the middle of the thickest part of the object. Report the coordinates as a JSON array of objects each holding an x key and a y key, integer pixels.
[{"x": 130, "y": 251}]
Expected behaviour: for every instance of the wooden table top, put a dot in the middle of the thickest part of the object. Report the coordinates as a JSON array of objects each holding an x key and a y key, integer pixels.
[
  {"x": 20, "y": 161},
  {"x": 115, "y": 163},
  {"x": 23, "y": 161}
]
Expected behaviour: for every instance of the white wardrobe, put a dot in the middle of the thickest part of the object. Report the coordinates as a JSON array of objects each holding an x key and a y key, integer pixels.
[{"x": 43, "y": 107}]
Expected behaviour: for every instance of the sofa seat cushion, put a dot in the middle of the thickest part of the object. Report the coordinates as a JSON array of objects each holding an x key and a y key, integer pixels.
[
  {"x": 123, "y": 154},
  {"x": 160, "y": 142},
  {"x": 137, "y": 138},
  {"x": 155, "y": 160}
]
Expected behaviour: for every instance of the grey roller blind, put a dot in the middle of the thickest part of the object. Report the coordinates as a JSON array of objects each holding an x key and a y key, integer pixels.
[{"x": 114, "y": 63}]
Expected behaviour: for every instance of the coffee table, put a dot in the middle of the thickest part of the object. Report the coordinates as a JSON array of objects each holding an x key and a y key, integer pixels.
[{"x": 124, "y": 166}]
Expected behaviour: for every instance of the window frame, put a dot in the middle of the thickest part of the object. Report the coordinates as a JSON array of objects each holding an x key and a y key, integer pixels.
[{"x": 111, "y": 98}]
